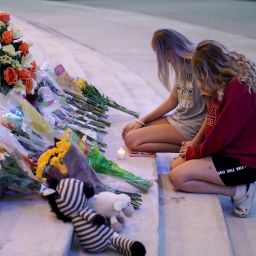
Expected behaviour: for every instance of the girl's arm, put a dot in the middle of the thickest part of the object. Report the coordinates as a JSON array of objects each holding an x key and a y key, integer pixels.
[
  {"x": 201, "y": 133},
  {"x": 199, "y": 136},
  {"x": 168, "y": 105},
  {"x": 230, "y": 122}
]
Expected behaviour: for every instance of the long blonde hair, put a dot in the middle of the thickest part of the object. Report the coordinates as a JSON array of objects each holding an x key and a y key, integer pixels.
[
  {"x": 214, "y": 66},
  {"x": 174, "y": 48}
]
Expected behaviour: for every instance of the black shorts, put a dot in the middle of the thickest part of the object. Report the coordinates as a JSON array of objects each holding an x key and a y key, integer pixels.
[{"x": 232, "y": 172}]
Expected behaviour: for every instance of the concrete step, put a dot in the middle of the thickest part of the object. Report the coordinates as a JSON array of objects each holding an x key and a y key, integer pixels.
[
  {"x": 28, "y": 228},
  {"x": 238, "y": 227},
  {"x": 191, "y": 224}
]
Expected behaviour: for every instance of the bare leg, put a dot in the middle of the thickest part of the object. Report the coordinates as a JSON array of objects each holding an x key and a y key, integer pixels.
[
  {"x": 177, "y": 161},
  {"x": 157, "y": 136},
  {"x": 199, "y": 176}
]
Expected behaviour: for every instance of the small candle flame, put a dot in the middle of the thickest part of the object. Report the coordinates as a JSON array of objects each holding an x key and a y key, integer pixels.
[{"x": 121, "y": 153}]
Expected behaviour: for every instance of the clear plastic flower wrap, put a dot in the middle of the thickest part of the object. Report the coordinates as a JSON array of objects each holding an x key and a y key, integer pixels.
[
  {"x": 101, "y": 165},
  {"x": 14, "y": 179}
]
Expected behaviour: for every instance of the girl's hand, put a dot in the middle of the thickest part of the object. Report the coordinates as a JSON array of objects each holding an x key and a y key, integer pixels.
[
  {"x": 184, "y": 147},
  {"x": 131, "y": 126}
]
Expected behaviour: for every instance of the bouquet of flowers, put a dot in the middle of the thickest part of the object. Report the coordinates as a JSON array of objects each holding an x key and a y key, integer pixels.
[
  {"x": 22, "y": 122},
  {"x": 101, "y": 165},
  {"x": 14, "y": 179},
  {"x": 53, "y": 157},
  {"x": 63, "y": 112},
  {"x": 17, "y": 67},
  {"x": 67, "y": 160},
  {"x": 90, "y": 93}
]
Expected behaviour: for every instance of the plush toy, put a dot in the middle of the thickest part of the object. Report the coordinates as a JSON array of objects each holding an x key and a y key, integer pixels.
[
  {"x": 68, "y": 199},
  {"x": 113, "y": 206}
]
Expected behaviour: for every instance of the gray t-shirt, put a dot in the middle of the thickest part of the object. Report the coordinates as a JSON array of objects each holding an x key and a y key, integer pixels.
[{"x": 191, "y": 110}]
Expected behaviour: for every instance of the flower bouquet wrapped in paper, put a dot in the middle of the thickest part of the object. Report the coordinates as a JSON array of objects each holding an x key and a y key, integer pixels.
[
  {"x": 67, "y": 160},
  {"x": 63, "y": 112},
  {"x": 79, "y": 168}
]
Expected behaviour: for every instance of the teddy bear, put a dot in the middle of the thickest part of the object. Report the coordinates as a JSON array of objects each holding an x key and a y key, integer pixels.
[
  {"x": 68, "y": 199},
  {"x": 114, "y": 207}
]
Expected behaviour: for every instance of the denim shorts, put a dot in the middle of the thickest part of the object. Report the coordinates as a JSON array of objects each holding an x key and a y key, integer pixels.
[{"x": 232, "y": 172}]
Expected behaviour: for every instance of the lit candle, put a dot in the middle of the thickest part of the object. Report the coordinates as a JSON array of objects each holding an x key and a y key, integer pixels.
[{"x": 121, "y": 153}]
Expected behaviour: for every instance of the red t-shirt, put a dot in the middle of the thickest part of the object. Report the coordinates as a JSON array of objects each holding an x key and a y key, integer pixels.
[{"x": 231, "y": 126}]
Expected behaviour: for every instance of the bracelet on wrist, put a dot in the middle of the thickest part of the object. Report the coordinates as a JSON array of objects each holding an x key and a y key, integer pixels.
[{"x": 140, "y": 122}]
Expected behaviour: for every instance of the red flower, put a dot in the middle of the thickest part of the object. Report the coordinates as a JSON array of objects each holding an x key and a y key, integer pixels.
[
  {"x": 23, "y": 47},
  {"x": 32, "y": 69},
  {"x": 25, "y": 77},
  {"x": 7, "y": 37},
  {"x": 10, "y": 76},
  {"x": 29, "y": 86},
  {"x": 4, "y": 17}
]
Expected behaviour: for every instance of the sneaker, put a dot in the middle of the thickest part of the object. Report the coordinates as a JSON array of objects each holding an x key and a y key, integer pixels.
[{"x": 243, "y": 206}]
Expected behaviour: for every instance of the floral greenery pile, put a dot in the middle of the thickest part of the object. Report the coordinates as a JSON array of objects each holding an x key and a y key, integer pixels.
[
  {"x": 80, "y": 109},
  {"x": 53, "y": 158},
  {"x": 17, "y": 67},
  {"x": 14, "y": 178},
  {"x": 90, "y": 91}
]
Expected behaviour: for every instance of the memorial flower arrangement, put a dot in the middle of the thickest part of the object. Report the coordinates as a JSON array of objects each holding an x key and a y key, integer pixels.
[
  {"x": 17, "y": 67},
  {"x": 49, "y": 123}
]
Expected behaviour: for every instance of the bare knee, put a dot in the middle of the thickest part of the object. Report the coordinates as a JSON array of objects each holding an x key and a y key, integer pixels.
[
  {"x": 176, "y": 162},
  {"x": 176, "y": 179},
  {"x": 131, "y": 141}
]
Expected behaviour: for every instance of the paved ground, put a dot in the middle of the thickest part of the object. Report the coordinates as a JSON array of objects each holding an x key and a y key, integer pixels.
[{"x": 232, "y": 16}]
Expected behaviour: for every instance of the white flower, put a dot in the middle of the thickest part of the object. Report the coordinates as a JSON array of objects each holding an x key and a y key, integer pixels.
[
  {"x": 16, "y": 32},
  {"x": 9, "y": 49},
  {"x": 26, "y": 61},
  {"x": 34, "y": 86},
  {"x": 16, "y": 64}
]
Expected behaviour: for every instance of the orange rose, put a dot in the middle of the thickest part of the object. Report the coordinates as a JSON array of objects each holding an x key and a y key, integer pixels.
[
  {"x": 23, "y": 47},
  {"x": 29, "y": 86},
  {"x": 32, "y": 69},
  {"x": 24, "y": 75},
  {"x": 7, "y": 37},
  {"x": 4, "y": 17},
  {"x": 10, "y": 76}
]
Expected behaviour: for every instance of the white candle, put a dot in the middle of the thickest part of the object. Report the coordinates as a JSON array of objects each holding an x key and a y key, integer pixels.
[{"x": 121, "y": 153}]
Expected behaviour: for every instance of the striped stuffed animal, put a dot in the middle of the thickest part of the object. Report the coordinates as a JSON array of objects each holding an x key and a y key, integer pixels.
[{"x": 68, "y": 199}]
